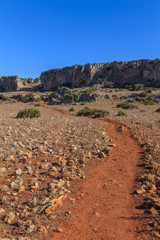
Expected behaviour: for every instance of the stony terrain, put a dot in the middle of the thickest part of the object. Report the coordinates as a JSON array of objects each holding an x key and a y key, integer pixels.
[{"x": 40, "y": 159}]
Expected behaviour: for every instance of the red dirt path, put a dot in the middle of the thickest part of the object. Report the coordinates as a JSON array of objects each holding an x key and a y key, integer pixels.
[{"x": 106, "y": 207}]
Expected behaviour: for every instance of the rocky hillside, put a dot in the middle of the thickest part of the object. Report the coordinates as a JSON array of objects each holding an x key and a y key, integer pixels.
[{"x": 146, "y": 72}]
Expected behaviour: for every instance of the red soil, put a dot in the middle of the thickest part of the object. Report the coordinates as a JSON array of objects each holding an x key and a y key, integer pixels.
[{"x": 106, "y": 207}]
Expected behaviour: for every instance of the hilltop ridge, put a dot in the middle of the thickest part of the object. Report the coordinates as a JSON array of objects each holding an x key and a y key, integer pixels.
[{"x": 145, "y": 71}]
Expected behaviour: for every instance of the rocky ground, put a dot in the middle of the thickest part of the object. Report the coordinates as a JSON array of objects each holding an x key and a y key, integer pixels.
[{"x": 41, "y": 158}]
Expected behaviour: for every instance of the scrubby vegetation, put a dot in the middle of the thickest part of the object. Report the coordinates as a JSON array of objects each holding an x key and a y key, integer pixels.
[
  {"x": 109, "y": 85},
  {"x": 126, "y": 105},
  {"x": 95, "y": 113},
  {"x": 90, "y": 90},
  {"x": 140, "y": 99},
  {"x": 158, "y": 109},
  {"x": 29, "y": 113},
  {"x": 150, "y": 102},
  {"x": 37, "y": 105},
  {"x": 138, "y": 87},
  {"x": 29, "y": 97},
  {"x": 72, "y": 109},
  {"x": 121, "y": 113}
]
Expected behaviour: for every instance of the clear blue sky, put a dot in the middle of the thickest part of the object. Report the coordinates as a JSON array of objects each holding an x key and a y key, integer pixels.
[{"x": 37, "y": 35}]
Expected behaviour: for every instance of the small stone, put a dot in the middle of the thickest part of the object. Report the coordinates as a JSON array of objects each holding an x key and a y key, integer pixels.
[
  {"x": 55, "y": 203},
  {"x": 21, "y": 188},
  {"x": 60, "y": 230},
  {"x": 3, "y": 170},
  {"x": 101, "y": 155},
  {"x": 60, "y": 183},
  {"x": 68, "y": 212},
  {"x": 31, "y": 228},
  {"x": 43, "y": 229},
  {"x": 11, "y": 158},
  {"x": 18, "y": 172},
  {"x": 4, "y": 188},
  {"x": 13, "y": 185},
  {"x": 153, "y": 189},
  {"x": 2, "y": 211},
  {"x": 9, "y": 219},
  {"x": 153, "y": 211},
  {"x": 140, "y": 190}
]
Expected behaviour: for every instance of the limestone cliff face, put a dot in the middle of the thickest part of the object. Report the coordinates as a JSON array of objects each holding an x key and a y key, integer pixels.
[
  {"x": 9, "y": 83},
  {"x": 146, "y": 72},
  {"x": 14, "y": 83},
  {"x": 75, "y": 76}
]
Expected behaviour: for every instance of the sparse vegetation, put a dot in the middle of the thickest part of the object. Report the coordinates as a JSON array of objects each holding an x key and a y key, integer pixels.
[
  {"x": 158, "y": 109},
  {"x": 138, "y": 87},
  {"x": 126, "y": 105},
  {"x": 95, "y": 113},
  {"x": 72, "y": 109},
  {"x": 29, "y": 113},
  {"x": 90, "y": 90},
  {"x": 7, "y": 98},
  {"x": 140, "y": 99},
  {"x": 37, "y": 105},
  {"x": 150, "y": 102},
  {"x": 38, "y": 99},
  {"x": 109, "y": 85},
  {"x": 128, "y": 86},
  {"x": 121, "y": 113}
]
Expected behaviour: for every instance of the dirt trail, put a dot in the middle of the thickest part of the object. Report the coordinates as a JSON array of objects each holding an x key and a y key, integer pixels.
[{"x": 106, "y": 207}]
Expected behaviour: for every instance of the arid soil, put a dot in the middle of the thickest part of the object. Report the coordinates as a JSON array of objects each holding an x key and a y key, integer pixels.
[
  {"x": 105, "y": 204},
  {"x": 91, "y": 164}
]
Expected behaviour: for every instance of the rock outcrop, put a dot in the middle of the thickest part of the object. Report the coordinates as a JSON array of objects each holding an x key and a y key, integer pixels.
[
  {"x": 14, "y": 83},
  {"x": 146, "y": 72},
  {"x": 9, "y": 83},
  {"x": 75, "y": 76}
]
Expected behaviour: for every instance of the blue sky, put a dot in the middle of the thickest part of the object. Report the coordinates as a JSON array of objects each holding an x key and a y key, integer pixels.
[{"x": 37, "y": 35}]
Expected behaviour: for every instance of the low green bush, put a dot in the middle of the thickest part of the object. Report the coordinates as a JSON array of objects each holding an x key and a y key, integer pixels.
[
  {"x": 128, "y": 86},
  {"x": 143, "y": 94},
  {"x": 72, "y": 109},
  {"x": 121, "y": 113},
  {"x": 7, "y": 99},
  {"x": 37, "y": 99},
  {"x": 37, "y": 105},
  {"x": 140, "y": 99},
  {"x": 90, "y": 90},
  {"x": 126, "y": 105},
  {"x": 150, "y": 102},
  {"x": 138, "y": 87},
  {"x": 109, "y": 85},
  {"x": 83, "y": 103},
  {"x": 95, "y": 113},
  {"x": 29, "y": 113},
  {"x": 158, "y": 109}
]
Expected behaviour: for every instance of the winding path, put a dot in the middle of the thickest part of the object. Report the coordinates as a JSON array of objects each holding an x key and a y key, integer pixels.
[{"x": 106, "y": 207}]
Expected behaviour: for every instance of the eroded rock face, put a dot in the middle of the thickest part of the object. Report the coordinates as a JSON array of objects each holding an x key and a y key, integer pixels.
[
  {"x": 75, "y": 76},
  {"x": 14, "y": 83},
  {"x": 146, "y": 72},
  {"x": 9, "y": 83}
]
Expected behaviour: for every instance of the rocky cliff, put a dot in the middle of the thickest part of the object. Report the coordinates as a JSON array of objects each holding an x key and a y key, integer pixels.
[
  {"x": 146, "y": 72},
  {"x": 9, "y": 83},
  {"x": 14, "y": 83}
]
